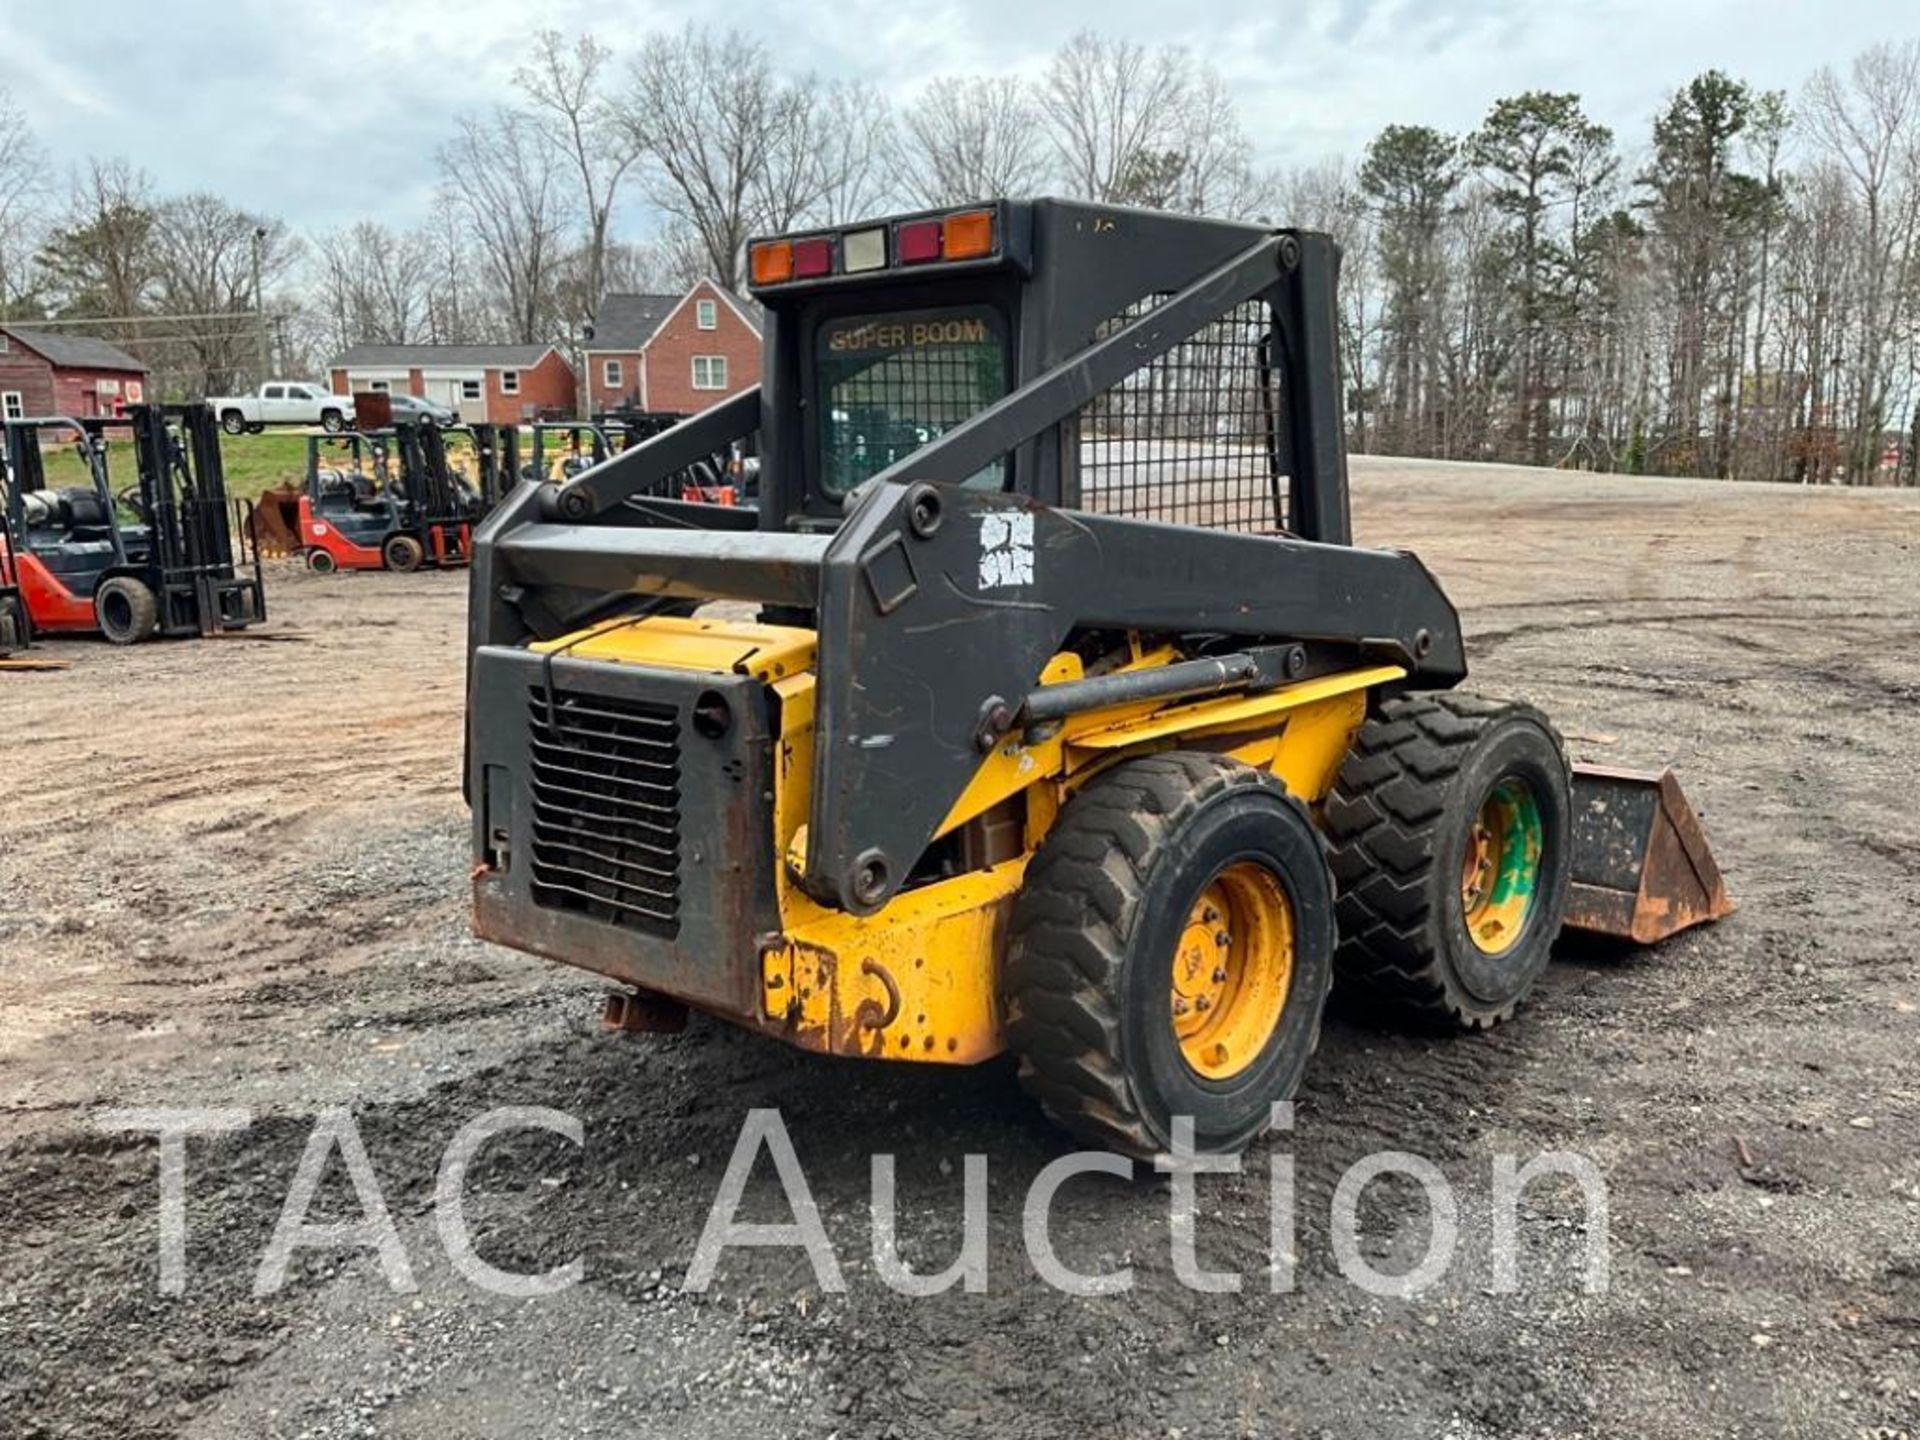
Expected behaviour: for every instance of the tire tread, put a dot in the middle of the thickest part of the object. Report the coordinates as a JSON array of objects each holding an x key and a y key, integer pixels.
[
  {"x": 1067, "y": 938},
  {"x": 1382, "y": 820}
]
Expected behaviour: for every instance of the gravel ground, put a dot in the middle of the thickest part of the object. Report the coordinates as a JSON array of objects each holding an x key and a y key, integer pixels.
[{"x": 232, "y": 874}]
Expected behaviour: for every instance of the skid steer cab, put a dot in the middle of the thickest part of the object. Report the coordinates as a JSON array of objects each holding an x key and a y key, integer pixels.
[
  {"x": 386, "y": 500},
  {"x": 167, "y": 555},
  {"x": 1053, "y": 709}
]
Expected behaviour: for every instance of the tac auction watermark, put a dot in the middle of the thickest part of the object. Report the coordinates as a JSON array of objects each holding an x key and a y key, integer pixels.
[{"x": 764, "y": 1145}]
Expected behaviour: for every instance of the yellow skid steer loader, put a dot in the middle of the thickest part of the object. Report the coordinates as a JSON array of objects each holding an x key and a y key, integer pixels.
[{"x": 1056, "y": 711}]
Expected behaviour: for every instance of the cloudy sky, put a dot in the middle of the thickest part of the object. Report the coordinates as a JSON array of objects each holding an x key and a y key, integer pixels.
[{"x": 327, "y": 112}]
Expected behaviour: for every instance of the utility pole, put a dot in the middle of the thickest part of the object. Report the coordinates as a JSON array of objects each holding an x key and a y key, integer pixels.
[{"x": 265, "y": 337}]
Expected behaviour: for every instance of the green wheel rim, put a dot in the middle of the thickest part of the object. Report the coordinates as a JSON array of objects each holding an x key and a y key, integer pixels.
[{"x": 1500, "y": 874}]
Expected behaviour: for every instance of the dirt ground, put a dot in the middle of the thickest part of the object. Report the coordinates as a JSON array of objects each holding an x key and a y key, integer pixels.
[{"x": 233, "y": 874}]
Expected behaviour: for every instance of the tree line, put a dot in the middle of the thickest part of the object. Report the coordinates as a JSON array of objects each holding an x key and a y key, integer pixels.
[{"x": 1734, "y": 293}]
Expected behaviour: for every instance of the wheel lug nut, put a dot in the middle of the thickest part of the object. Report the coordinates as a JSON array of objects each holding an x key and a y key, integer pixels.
[
  {"x": 1220, "y": 976},
  {"x": 1221, "y": 937},
  {"x": 1201, "y": 1005},
  {"x": 1179, "y": 1007}
]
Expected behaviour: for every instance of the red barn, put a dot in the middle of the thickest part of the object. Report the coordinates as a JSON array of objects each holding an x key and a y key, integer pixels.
[
  {"x": 672, "y": 353},
  {"x": 43, "y": 373}
]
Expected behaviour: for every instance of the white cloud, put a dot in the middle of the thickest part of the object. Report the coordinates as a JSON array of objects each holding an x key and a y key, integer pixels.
[{"x": 324, "y": 114}]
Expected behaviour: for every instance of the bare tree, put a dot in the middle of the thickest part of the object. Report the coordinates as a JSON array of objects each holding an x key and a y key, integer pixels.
[
  {"x": 501, "y": 173},
  {"x": 1213, "y": 167},
  {"x": 1112, "y": 107},
  {"x": 564, "y": 86},
  {"x": 792, "y": 185},
  {"x": 971, "y": 138},
  {"x": 99, "y": 259},
  {"x": 453, "y": 303},
  {"x": 202, "y": 252},
  {"x": 23, "y": 192},
  {"x": 715, "y": 123},
  {"x": 1867, "y": 125},
  {"x": 376, "y": 285},
  {"x": 668, "y": 265},
  {"x": 850, "y": 137}
]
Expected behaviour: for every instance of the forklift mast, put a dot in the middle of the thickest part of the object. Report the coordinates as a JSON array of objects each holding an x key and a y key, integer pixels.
[{"x": 437, "y": 496}]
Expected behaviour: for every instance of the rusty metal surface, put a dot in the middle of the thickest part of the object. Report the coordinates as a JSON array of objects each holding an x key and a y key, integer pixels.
[
  {"x": 725, "y": 869},
  {"x": 644, "y": 1013},
  {"x": 1642, "y": 869}
]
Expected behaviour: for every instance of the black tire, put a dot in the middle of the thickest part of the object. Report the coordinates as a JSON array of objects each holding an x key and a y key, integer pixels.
[
  {"x": 1400, "y": 818},
  {"x": 1107, "y": 897},
  {"x": 16, "y": 629},
  {"x": 233, "y": 422},
  {"x": 321, "y": 562},
  {"x": 125, "y": 610},
  {"x": 402, "y": 553},
  {"x": 332, "y": 422}
]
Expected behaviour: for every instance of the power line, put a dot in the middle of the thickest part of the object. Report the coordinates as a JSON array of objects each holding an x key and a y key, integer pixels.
[{"x": 248, "y": 316}]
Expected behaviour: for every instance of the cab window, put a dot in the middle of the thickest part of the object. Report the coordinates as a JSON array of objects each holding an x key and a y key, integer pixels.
[{"x": 887, "y": 384}]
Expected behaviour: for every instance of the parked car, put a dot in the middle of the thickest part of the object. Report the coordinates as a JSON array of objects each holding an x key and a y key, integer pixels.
[
  {"x": 412, "y": 407},
  {"x": 284, "y": 402}
]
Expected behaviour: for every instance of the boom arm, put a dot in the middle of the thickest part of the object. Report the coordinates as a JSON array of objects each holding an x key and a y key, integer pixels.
[{"x": 940, "y": 605}]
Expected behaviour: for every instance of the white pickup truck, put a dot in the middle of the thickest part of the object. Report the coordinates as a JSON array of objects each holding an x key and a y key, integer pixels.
[{"x": 283, "y": 402}]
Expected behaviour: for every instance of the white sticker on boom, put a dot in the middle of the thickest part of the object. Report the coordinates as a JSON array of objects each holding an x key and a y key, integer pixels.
[{"x": 1006, "y": 550}]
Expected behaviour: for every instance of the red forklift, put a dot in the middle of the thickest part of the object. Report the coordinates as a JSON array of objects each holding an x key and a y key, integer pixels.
[
  {"x": 385, "y": 500},
  {"x": 182, "y": 566}
]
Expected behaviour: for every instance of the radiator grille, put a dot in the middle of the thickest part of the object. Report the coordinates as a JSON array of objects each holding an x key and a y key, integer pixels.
[{"x": 606, "y": 808}]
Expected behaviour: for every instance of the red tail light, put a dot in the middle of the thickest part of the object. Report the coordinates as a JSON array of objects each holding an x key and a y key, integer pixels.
[
  {"x": 918, "y": 242},
  {"x": 812, "y": 258}
]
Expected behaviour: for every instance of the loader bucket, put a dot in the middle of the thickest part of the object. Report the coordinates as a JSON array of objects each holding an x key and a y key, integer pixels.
[
  {"x": 1641, "y": 867},
  {"x": 276, "y": 521}
]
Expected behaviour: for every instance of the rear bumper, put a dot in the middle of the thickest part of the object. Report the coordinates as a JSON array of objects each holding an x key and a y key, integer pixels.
[{"x": 614, "y": 832}]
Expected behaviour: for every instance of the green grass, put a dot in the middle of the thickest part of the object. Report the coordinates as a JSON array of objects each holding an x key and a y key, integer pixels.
[
  {"x": 253, "y": 463},
  {"x": 259, "y": 462}
]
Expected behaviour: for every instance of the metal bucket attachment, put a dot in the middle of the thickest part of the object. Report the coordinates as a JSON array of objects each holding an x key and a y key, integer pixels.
[{"x": 1641, "y": 867}]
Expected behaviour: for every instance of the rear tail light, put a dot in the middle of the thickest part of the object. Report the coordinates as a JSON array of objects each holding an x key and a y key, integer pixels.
[
  {"x": 963, "y": 235},
  {"x": 812, "y": 258},
  {"x": 919, "y": 242},
  {"x": 773, "y": 262},
  {"x": 969, "y": 236}
]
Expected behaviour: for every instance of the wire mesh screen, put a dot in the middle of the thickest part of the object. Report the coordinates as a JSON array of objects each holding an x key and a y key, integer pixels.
[
  {"x": 1189, "y": 438},
  {"x": 891, "y": 383}
]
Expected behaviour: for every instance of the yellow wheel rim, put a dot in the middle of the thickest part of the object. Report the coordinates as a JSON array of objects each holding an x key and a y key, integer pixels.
[
  {"x": 1501, "y": 870},
  {"x": 1232, "y": 971}
]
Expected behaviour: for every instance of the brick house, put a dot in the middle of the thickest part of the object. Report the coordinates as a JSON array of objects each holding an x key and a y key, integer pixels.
[
  {"x": 43, "y": 373},
  {"x": 675, "y": 354},
  {"x": 504, "y": 384}
]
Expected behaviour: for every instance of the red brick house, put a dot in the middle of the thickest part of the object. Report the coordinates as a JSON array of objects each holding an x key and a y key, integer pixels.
[
  {"x": 504, "y": 384},
  {"x": 46, "y": 373},
  {"x": 676, "y": 354}
]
